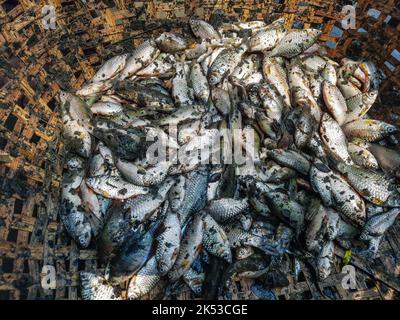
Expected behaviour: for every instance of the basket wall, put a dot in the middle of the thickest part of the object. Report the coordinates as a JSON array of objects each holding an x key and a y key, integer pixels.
[{"x": 35, "y": 63}]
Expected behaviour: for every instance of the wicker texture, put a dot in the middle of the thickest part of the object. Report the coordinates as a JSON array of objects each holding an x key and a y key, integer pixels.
[{"x": 35, "y": 63}]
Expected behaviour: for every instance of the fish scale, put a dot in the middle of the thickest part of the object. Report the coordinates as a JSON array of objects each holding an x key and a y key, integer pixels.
[
  {"x": 195, "y": 193},
  {"x": 142, "y": 56},
  {"x": 144, "y": 281},
  {"x": 276, "y": 75},
  {"x": 334, "y": 138},
  {"x": 195, "y": 276},
  {"x": 372, "y": 186},
  {"x": 168, "y": 243},
  {"x": 379, "y": 223},
  {"x": 359, "y": 105},
  {"x": 369, "y": 130},
  {"x": 190, "y": 247},
  {"x": 133, "y": 255}
]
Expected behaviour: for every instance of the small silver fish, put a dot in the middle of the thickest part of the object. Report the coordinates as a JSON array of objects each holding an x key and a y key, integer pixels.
[
  {"x": 267, "y": 39},
  {"x": 106, "y": 108},
  {"x": 190, "y": 247},
  {"x": 110, "y": 68},
  {"x": 275, "y": 74},
  {"x": 114, "y": 187},
  {"x": 225, "y": 64},
  {"x": 171, "y": 42},
  {"x": 325, "y": 260},
  {"x": 180, "y": 85},
  {"x": 199, "y": 83},
  {"x": 373, "y": 186},
  {"x": 143, "y": 206},
  {"x": 359, "y": 105},
  {"x": 168, "y": 242},
  {"x": 141, "y": 57},
  {"x": 150, "y": 177},
  {"x": 377, "y": 225},
  {"x": 203, "y": 30}
]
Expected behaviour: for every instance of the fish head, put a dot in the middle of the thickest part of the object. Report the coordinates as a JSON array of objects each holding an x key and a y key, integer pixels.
[
  {"x": 75, "y": 163},
  {"x": 227, "y": 256},
  {"x": 134, "y": 292},
  {"x": 314, "y": 33},
  {"x": 389, "y": 128}
]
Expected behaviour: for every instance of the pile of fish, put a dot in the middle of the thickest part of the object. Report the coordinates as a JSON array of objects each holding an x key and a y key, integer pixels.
[{"x": 322, "y": 173}]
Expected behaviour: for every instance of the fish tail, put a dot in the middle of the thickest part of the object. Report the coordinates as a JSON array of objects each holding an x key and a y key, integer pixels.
[{"x": 268, "y": 54}]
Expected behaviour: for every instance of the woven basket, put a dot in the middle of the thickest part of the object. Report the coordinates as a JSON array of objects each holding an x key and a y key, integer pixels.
[{"x": 36, "y": 62}]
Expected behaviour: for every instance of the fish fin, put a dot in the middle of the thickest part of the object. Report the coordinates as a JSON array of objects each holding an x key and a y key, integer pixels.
[
  {"x": 292, "y": 188},
  {"x": 333, "y": 159},
  {"x": 322, "y": 167}
]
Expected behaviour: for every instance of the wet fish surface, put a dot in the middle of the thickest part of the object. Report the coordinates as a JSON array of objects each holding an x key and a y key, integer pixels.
[{"x": 231, "y": 151}]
